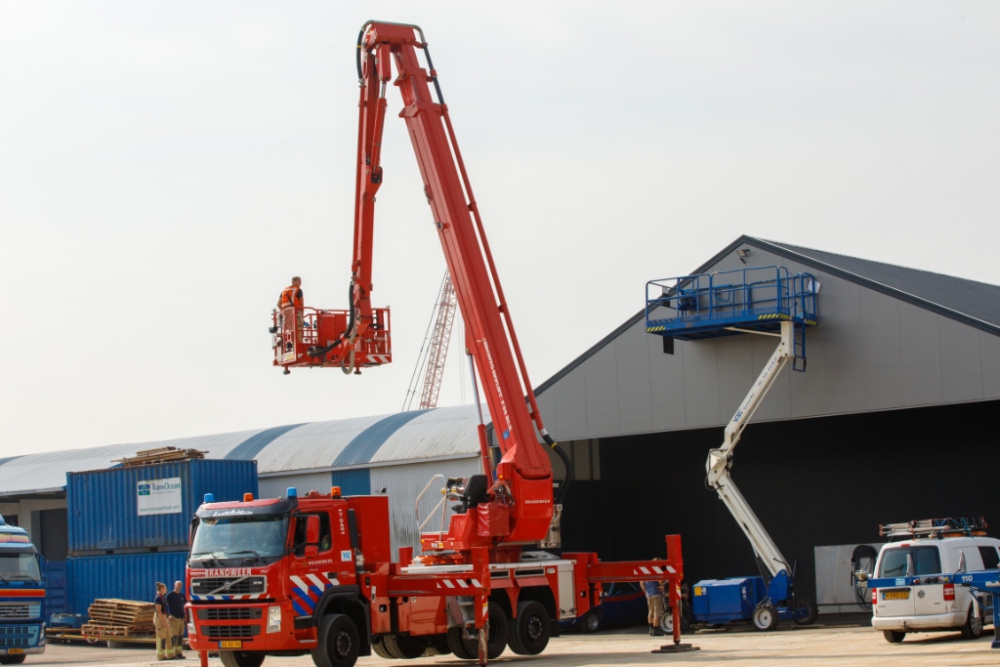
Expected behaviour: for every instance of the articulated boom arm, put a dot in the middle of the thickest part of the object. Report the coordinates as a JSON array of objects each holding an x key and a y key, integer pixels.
[
  {"x": 720, "y": 460},
  {"x": 520, "y": 505}
]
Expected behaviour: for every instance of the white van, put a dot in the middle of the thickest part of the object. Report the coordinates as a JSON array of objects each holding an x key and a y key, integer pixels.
[{"x": 932, "y": 601}]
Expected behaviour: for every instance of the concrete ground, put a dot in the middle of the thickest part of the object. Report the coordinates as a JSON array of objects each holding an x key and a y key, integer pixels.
[{"x": 821, "y": 645}]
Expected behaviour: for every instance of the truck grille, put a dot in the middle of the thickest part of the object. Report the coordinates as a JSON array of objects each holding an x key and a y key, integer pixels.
[
  {"x": 230, "y": 631},
  {"x": 6, "y": 630},
  {"x": 229, "y": 613},
  {"x": 20, "y": 609},
  {"x": 13, "y": 641},
  {"x": 236, "y": 585}
]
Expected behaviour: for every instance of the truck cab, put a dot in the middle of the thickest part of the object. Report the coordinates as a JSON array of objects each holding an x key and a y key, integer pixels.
[
  {"x": 22, "y": 597},
  {"x": 917, "y": 584}
]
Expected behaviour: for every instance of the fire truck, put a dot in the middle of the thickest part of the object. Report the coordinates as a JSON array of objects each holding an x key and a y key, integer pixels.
[{"x": 313, "y": 573}]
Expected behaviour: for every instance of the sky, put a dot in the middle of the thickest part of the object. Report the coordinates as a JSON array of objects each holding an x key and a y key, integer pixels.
[{"x": 166, "y": 167}]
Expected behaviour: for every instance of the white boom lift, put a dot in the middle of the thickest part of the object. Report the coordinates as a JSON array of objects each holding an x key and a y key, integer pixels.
[{"x": 720, "y": 460}]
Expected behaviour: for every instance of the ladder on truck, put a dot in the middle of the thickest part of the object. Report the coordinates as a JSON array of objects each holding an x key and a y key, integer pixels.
[{"x": 767, "y": 301}]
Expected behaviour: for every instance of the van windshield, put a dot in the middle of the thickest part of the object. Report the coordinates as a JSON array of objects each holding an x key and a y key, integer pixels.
[{"x": 910, "y": 561}]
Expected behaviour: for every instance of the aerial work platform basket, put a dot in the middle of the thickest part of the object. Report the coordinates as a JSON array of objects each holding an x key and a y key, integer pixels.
[
  {"x": 725, "y": 303},
  {"x": 313, "y": 337}
]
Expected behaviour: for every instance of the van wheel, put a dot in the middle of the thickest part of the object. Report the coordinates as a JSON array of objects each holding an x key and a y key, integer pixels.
[
  {"x": 893, "y": 636},
  {"x": 338, "y": 642},
  {"x": 973, "y": 628},
  {"x": 765, "y": 617}
]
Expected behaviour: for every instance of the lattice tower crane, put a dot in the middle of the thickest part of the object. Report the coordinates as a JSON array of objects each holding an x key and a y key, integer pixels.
[{"x": 434, "y": 352}]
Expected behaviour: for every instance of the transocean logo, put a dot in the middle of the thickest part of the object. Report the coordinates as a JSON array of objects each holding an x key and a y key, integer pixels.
[{"x": 496, "y": 383}]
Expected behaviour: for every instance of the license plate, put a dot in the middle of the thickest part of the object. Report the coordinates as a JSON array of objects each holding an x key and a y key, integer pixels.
[
  {"x": 897, "y": 595},
  {"x": 231, "y": 643},
  {"x": 15, "y": 651}
]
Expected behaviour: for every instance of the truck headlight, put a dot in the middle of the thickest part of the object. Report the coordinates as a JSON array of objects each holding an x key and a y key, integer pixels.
[{"x": 274, "y": 619}]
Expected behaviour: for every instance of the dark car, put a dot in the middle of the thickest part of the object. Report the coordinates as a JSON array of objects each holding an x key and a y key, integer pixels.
[{"x": 623, "y": 603}]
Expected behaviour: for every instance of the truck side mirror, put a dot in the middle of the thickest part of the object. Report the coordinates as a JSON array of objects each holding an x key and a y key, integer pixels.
[{"x": 312, "y": 536}]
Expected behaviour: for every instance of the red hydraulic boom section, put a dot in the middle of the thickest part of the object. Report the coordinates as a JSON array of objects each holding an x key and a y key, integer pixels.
[{"x": 517, "y": 505}]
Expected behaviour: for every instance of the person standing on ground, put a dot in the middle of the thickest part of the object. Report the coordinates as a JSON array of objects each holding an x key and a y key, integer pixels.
[
  {"x": 291, "y": 297},
  {"x": 175, "y": 608},
  {"x": 160, "y": 622},
  {"x": 654, "y": 600}
]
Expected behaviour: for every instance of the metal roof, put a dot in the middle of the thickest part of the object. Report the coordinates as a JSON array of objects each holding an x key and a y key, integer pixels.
[
  {"x": 968, "y": 301},
  {"x": 344, "y": 443}
]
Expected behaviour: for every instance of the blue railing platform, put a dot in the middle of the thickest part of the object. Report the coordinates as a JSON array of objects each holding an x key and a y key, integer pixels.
[{"x": 709, "y": 305}]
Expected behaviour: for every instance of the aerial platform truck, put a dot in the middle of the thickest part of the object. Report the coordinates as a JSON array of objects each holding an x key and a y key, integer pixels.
[
  {"x": 22, "y": 597},
  {"x": 313, "y": 573},
  {"x": 766, "y": 301}
]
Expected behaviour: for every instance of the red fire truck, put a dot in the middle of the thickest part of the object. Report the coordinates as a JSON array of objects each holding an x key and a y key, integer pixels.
[{"x": 314, "y": 573}]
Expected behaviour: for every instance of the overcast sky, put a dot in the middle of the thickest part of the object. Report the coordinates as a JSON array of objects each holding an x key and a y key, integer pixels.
[{"x": 165, "y": 167}]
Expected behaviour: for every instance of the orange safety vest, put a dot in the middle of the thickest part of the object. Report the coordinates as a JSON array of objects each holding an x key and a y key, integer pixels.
[{"x": 291, "y": 296}]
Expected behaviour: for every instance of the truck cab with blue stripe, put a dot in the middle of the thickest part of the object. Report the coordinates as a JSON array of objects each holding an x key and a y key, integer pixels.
[{"x": 22, "y": 597}]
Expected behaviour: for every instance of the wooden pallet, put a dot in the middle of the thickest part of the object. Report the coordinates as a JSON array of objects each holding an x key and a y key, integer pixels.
[
  {"x": 112, "y": 617},
  {"x": 148, "y": 457},
  {"x": 95, "y": 630}
]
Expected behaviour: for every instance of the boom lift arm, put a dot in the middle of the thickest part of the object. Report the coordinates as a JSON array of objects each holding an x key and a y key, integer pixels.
[
  {"x": 519, "y": 505},
  {"x": 720, "y": 460}
]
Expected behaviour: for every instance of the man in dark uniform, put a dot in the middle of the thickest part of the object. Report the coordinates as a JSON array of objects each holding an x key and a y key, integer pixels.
[{"x": 175, "y": 615}]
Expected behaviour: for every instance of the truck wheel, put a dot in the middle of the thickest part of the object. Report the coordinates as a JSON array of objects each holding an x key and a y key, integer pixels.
[
  {"x": 893, "y": 636},
  {"x": 380, "y": 649},
  {"x": 338, "y": 642},
  {"x": 464, "y": 649},
  {"x": 403, "y": 647},
  {"x": 805, "y": 613},
  {"x": 439, "y": 644},
  {"x": 496, "y": 636},
  {"x": 765, "y": 617},
  {"x": 530, "y": 631},
  {"x": 973, "y": 628},
  {"x": 591, "y": 622},
  {"x": 12, "y": 659},
  {"x": 241, "y": 658}
]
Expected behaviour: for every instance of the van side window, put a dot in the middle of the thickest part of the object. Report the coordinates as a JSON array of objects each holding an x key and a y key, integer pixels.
[
  {"x": 991, "y": 560},
  {"x": 325, "y": 541}
]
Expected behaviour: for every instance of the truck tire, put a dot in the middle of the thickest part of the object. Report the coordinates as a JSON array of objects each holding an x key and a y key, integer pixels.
[
  {"x": 893, "y": 636},
  {"x": 403, "y": 647},
  {"x": 497, "y": 632},
  {"x": 439, "y": 644},
  {"x": 380, "y": 649},
  {"x": 530, "y": 631},
  {"x": 464, "y": 649},
  {"x": 805, "y": 613},
  {"x": 765, "y": 617},
  {"x": 973, "y": 628},
  {"x": 338, "y": 642},
  {"x": 241, "y": 658},
  {"x": 12, "y": 659}
]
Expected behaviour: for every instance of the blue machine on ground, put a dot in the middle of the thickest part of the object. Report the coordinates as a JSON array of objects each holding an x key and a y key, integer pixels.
[
  {"x": 22, "y": 597},
  {"x": 767, "y": 301}
]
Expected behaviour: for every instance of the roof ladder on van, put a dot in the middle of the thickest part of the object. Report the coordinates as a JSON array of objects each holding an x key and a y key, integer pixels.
[{"x": 934, "y": 528}]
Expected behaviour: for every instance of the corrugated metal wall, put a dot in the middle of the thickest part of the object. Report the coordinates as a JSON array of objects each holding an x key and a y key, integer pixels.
[
  {"x": 403, "y": 483},
  {"x": 103, "y": 509},
  {"x": 129, "y": 577},
  {"x": 352, "y": 482},
  {"x": 277, "y": 487}
]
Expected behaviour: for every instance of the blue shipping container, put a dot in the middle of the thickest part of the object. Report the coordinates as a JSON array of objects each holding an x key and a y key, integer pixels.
[
  {"x": 123, "y": 510},
  {"x": 126, "y": 577}
]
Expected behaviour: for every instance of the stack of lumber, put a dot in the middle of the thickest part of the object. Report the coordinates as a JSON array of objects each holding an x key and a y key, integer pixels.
[
  {"x": 159, "y": 455},
  {"x": 110, "y": 617}
]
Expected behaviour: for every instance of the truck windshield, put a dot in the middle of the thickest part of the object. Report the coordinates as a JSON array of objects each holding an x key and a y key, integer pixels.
[
  {"x": 260, "y": 536},
  {"x": 23, "y": 566},
  {"x": 910, "y": 561}
]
